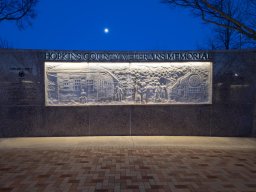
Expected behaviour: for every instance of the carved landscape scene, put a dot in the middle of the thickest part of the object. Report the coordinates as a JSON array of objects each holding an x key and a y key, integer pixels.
[{"x": 68, "y": 84}]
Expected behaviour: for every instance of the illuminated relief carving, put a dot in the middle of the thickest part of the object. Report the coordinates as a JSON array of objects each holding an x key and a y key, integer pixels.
[{"x": 68, "y": 84}]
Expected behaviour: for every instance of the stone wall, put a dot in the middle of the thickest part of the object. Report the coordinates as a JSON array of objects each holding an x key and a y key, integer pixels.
[{"x": 23, "y": 111}]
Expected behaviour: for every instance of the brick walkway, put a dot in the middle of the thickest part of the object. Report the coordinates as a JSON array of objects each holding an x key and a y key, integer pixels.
[{"x": 128, "y": 168}]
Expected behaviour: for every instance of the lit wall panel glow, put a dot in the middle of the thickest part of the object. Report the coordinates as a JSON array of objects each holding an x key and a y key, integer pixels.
[{"x": 78, "y": 84}]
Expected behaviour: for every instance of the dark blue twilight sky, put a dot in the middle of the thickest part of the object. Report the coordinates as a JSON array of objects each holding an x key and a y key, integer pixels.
[{"x": 132, "y": 24}]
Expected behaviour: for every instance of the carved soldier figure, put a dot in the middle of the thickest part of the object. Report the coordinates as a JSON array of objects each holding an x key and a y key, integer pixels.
[
  {"x": 137, "y": 95},
  {"x": 83, "y": 96},
  {"x": 119, "y": 93},
  {"x": 164, "y": 92},
  {"x": 158, "y": 93},
  {"x": 143, "y": 91}
]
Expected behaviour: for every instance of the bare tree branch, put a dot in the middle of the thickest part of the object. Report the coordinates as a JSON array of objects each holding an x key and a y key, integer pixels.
[
  {"x": 17, "y": 10},
  {"x": 217, "y": 11}
]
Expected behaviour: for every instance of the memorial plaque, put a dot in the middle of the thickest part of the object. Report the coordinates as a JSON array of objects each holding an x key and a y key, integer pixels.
[
  {"x": 149, "y": 83},
  {"x": 19, "y": 85}
]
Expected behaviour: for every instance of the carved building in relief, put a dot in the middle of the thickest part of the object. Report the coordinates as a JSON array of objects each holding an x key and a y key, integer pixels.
[
  {"x": 190, "y": 87},
  {"x": 81, "y": 87}
]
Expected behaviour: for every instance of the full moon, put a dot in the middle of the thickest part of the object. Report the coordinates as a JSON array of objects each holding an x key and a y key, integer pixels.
[{"x": 106, "y": 30}]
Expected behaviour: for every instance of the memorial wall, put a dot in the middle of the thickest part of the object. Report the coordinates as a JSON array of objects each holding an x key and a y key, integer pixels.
[{"x": 76, "y": 93}]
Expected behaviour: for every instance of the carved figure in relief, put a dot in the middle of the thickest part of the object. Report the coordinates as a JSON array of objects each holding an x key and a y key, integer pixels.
[
  {"x": 83, "y": 96},
  {"x": 163, "y": 90},
  {"x": 158, "y": 92},
  {"x": 137, "y": 95},
  {"x": 143, "y": 92},
  {"x": 148, "y": 94},
  {"x": 119, "y": 93}
]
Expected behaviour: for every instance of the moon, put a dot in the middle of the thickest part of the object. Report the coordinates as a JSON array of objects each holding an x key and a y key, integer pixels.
[{"x": 106, "y": 30}]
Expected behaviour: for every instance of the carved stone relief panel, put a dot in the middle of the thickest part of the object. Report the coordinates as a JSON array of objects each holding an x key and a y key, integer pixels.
[{"x": 75, "y": 84}]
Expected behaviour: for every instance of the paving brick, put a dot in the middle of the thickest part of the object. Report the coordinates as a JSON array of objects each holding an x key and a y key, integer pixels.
[{"x": 128, "y": 168}]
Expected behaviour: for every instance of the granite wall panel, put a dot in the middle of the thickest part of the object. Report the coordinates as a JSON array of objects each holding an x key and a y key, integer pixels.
[
  {"x": 66, "y": 121},
  {"x": 153, "y": 117},
  {"x": 231, "y": 120},
  {"x": 21, "y": 121},
  {"x": 110, "y": 120},
  {"x": 191, "y": 120}
]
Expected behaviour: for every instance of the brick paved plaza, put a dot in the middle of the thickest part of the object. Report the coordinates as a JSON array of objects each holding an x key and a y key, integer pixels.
[{"x": 175, "y": 164}]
